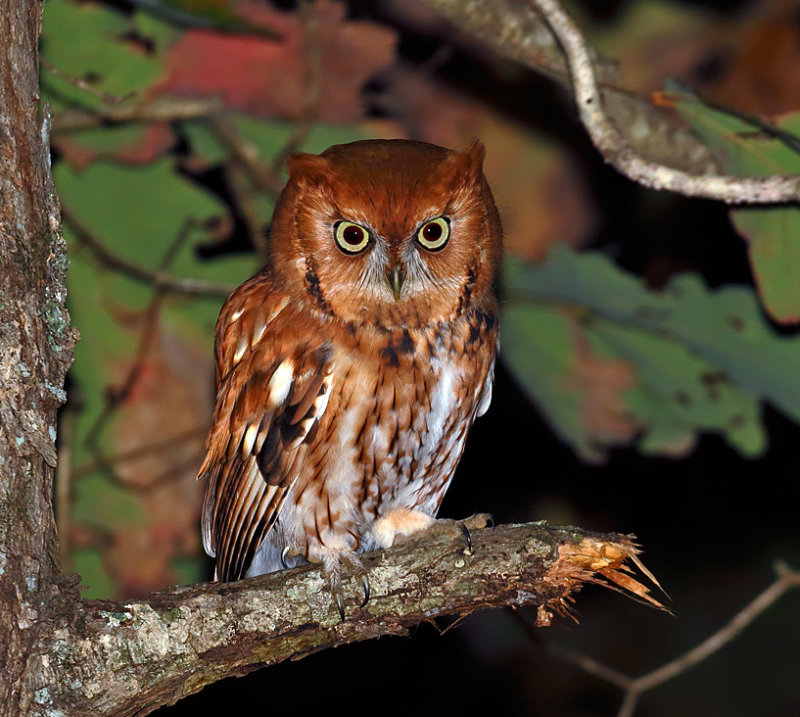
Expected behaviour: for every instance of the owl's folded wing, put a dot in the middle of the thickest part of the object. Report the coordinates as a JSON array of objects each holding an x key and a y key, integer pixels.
[{"x": 269, "y": 401}]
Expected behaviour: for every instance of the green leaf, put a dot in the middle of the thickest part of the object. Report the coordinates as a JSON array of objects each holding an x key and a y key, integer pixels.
[
  {"x": 703, "y": 360},
  {"x": 538, "y": 346},
  {"x": 89, "y": 42},
  {"x": 773, "y": 233}
]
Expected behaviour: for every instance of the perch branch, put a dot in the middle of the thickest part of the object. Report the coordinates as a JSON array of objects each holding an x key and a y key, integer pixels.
[
  {"x": 130, "y": 658},
  {"x": 618, "y": 152}
]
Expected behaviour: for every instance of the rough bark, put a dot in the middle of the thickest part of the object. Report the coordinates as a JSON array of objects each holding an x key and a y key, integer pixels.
[
  {"x": 64, "y": 656},
  {"x": 35, "y": 353}
]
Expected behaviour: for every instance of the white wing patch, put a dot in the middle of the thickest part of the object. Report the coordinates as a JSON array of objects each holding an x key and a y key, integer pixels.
[
  {"x": 281, "y": 382},
  {"x": 486, "y": 395},
  {"x": 317, "y": 409}
]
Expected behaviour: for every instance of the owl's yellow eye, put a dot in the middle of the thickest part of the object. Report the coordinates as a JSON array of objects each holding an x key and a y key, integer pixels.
[
  {"x": 433, "y": 235},
  {"x": 350, "y": 237}
]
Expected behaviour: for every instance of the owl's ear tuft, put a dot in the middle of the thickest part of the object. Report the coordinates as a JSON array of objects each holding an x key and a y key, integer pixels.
[
  {"x": 311, "y": 168},
  {"x": 470, "y": 161}
]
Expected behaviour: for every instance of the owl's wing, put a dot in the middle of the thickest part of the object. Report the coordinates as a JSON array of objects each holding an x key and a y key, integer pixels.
[{"x": 272, "y": 390}]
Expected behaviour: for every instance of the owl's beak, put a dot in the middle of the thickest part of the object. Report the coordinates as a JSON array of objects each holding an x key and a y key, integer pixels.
[{"x": 395, "y": 277}]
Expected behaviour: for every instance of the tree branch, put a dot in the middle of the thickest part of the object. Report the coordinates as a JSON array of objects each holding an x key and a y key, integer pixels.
[
  {"x": 517, "y": 31},
  {"x": 130, "y": 658},
  {"x": 164, "y": 109},
  {"x": 618, "y": 152},
  {"x": 160, "y": 279}
]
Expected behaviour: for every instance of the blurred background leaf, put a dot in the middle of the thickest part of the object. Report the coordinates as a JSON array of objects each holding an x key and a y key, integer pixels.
[
  {"x": 759, "y": 148},
  {"x": 654, "y": 367}
]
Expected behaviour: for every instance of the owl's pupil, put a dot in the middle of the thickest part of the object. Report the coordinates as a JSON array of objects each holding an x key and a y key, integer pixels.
[
  {"x": 432, "y": 232},
  {"x": 352, "y": 235}
]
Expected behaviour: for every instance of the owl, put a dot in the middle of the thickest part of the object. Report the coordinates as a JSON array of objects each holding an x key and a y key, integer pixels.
[{"x": 350, "y": 369}]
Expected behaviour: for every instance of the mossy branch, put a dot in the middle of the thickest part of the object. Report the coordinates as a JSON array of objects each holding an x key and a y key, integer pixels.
[{"x": 130, "y": 658}]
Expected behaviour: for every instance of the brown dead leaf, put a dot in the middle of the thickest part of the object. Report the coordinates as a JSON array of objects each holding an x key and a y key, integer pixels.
[
  {"x": 760, "y": 56},
  {"x": 601, "y": 383}
]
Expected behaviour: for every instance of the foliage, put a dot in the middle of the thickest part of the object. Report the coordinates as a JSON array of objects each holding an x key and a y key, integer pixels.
[
  {"x": 757, "y": 148},
  {"x": 611, "y": 361}
]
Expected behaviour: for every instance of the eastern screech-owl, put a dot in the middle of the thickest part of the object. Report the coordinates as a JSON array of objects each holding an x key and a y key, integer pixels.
[{"x": 350, "y": 369}]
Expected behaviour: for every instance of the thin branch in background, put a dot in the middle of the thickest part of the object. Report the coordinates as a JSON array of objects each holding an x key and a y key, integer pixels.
[
  {"x": 63, "y": 484},
  {"x": 116, "y": 396},
  {"x": 618, "y": 152},
  {"x": 164, "y": 109},
  {"x": 160, "y": 279},
  {"x": 788, "y": 139},
  {"x": 307, "y": 12},
  {"x": 247, "y": 155},
  {"x": 633, "y": 687},
  {"x": 82, "y": 84},
  {"x": 261, "y": 176},
  {"x": 146, "y": 450}
]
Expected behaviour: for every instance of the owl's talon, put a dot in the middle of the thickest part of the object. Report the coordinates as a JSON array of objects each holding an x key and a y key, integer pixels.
[
  {"x": 283, "y": 558},
  {"x": 365, "y": 584},
  {"x": 337, "y": 597},
  {"x": 468, "y": 538}
]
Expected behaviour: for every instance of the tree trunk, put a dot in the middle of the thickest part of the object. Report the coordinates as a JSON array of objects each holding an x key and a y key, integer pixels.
[{"x": 35, "y": 353}]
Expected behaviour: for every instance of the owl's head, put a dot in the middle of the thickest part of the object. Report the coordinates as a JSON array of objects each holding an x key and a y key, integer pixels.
[{"x": 388, "y": 232}]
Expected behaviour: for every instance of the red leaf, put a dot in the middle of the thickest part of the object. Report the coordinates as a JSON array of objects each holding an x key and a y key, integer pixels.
[{"x": 269, "y": 77}]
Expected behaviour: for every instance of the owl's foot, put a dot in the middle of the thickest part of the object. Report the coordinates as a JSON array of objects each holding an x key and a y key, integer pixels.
[
  {"x": 479, "y": 521},
  {"x": 463, "y": 529},
  {"x": 400, "y": 525},
  {"x": 333, "y": 571}
]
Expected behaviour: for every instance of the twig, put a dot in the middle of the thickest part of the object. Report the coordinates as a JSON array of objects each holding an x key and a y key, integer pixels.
[
  {"x": 159, "y": 279},
  {"x": 256, "y": 174},
  {"x": 517, "y": 31},
  {"x": 166, "y": 109},
  {"x": 148, "y": 449},
  {"x": 788, "y": 139},
  {"x": 618, "y": 152},
  {"x": 261, "y": 175},
  {"x": 63, "y": 482},
  {"x": 82, "y": 84},
  {"x": 634, "y": 687},
  {"x": 217, "y": 21},
  {"x": 714, "y": 643},
  {"x": 309, "y": 19},
  {"x": 114, "y": 397}
]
